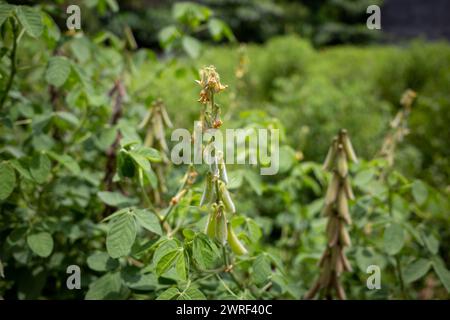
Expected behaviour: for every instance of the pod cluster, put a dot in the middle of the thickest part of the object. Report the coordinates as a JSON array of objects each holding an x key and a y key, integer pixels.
[
  {"x": 155, "y": 122},
  {"x": 215, "y": 193},
  {"x": 333, "y": 261}
]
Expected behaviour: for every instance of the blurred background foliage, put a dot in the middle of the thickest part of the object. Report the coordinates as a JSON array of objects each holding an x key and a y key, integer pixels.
[{"x": 306, "y": 67}]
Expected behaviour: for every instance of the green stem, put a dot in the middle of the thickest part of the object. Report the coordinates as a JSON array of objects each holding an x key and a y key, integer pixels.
[
  {"x": 13, "y": 67},
  {"x": 398, "y": 266}
]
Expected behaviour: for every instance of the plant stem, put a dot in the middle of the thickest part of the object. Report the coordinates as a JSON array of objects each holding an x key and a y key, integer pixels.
[
  {"x": 13, "y": 67},
  {"x": 397, "y": 259}
]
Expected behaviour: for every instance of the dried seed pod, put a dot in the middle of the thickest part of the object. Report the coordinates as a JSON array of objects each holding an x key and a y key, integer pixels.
[
  {"x": 348, "y": 189},
  {"x": 208, "y": 192},
  {"x": 328, "y": 210},
  {"x": 166, "y": 117},
  {"x": 332, "y": 190},
  {"x": 332, "y": 231},
  {"x": 331, "y": 155},
  {"x": 221, "y": 226},
  {"x": 344, "y": 237},
  {"x": 236, "y": 246},
  {"x": 348, "y": 147},
  {"x": 342, "y": 206},
  {"x": 342, "y": 166},
  {"x": 226, "y": 198},
  {"x": 345, "y": 262}
]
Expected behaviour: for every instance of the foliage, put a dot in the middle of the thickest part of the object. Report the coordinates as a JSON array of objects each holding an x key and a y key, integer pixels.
[{"x": 80, "y": 178}]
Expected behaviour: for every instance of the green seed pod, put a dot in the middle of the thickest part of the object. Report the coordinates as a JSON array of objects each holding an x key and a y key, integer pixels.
[
  {"x": 342, "y": 206},
  {"x": 342, "y": 165},
  {"x": 226, "y": 198},
  {"x": 331, "y": 155},
  {"x": 348, "y": 189},
  {"x": 210, "y": 228},
  {"x": 236, "y": 246},
  {"x": 214, "y": 167},
  {"x": 221, "y": 227},
  {"x": 208, "y": 192},
  {"x": 222, "y": 168},
  {"x": 348, "y": 147},
  {"x": 332, "y": 190}
]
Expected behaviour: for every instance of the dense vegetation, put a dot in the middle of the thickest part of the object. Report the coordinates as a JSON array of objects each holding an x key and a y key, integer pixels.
[{"x": 85, "y": 175}]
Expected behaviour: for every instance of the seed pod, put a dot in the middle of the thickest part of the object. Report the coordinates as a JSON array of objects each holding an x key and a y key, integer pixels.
[
  {"x": 345, "y": 262},
  {"x": 332, "y": 190},
  {"x": 210, "y": 228},
  {"x": 342, "y": 206},
  {"x": 222, "y": 168},
  {"x": 331, "y": 155},
  {"x": 348, "y": 189},
  {"x": 342, "y": 165},
  {"x": 327, "y": 210},
  {"x": 335, "y": 260},
  {"x": 326, "y": 275},
  {"x": 165, "y": 117},
  {"x": 348, "y": 147},
  {"x": 323, "y": 258},
  {"x": 208, "y": 192},
  {"x": 344, "y": 236},
  {"x": 221, "y": 227},
  {"x": 333, "y": 231},
  {"x": 214, "y": 167},
  {"x": 226, "y": 198},
  {"x": 236, "y": 246},
  {"x": 339, "y": 290}
]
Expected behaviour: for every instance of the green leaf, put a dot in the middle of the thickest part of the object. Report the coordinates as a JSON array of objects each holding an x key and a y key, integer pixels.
[
  {"x": 254, "y": 231},
  {"x": 140, "y": 160},
  {"x": 191, "y": 293},
  {"x": 416, "y": 270},
  {"x": 169, "y": 294},
  {"x": 5, "y": 12},
  {"x": 192, "y": 46},
  {"x": 167, "y": 35},
  {"x": 31, "y": 20},
  {"x": 40, "y": 167},
  {"x": 58, "y": 71},
  {"x": 41, "y": 243},
  {"x": 362, "y": 178},
  {"x": 121, "y": 236},
  {"x": 167, "y": 261},
  {"x": 149, "y": 153},
  {"x": 255, "y": 181},
  {"x": 262, "y": 271},
  {"x": 431, "y": 243},
  {"x": 419, "y": 191},
  {"x": 106, "y": 287},
  {"x": 101, "y": 261},
  {"x": 204, "y": 252},
  {"x": 125, "y": 165},
  {"x": 115, "y": 199},
  {"x": 442, "y": 272},
  {"x": 67, "y": 117},
  {"x": 180, "y": 266},
  {"x": 149, "y": 221},
  {"x": 394, "y": 238},
  {"x": 7, "y": 180},
  {"x": 67, "y": 161}
]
